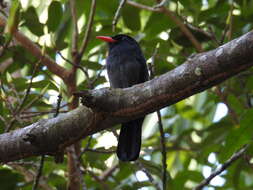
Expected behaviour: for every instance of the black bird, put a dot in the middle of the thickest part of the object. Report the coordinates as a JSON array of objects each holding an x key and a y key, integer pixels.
[{"x": 126, "y": 66}]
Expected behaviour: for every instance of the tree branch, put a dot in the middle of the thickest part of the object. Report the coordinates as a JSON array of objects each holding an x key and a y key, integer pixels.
[
  {"x": 117, "y": 14},
  {"x": 113, "y": 106},
  {"x": 75, "y": 29},
  {"x": 36, "y": 51},
  {"x": 88, "y": 29},
  {"x": 141, "y": 6},
  {"x": 183, "y": 28},
  {"x": 160, "y": 8},
  {"x": 224, "y": 166}
]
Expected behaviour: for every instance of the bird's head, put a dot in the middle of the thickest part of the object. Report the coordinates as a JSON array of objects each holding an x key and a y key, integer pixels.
[{"x": 119, "y": 41}]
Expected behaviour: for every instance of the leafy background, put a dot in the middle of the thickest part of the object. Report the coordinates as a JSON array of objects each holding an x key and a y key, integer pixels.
[{"x": 201, "y": 132}]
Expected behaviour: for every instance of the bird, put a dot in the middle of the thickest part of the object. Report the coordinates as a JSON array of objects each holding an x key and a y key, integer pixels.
[{"x": 126, "y": 66}]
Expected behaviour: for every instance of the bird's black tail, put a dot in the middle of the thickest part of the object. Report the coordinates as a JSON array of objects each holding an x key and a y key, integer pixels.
[{"x": 129, "y": 144}]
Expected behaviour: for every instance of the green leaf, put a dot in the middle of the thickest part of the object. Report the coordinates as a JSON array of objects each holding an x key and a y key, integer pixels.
[
  {"x": 9, "y": 179},
  {"x": 152, "y": 167},
  {"x": 238, "y": 136},
  {"x": 215, "y": 133},
  {"x": 138, "y": 185},
  {"x": 235, "y": 103},
  {"x": 184, "y": 176},
  {"x": 63, "y": 30},
  {"x": 191, "y": 5},
  {"x": 58, "y": 181},
  {"x": 249, "y": 84},
  {"x": 247, "y": 8},
  {"x": 55, "y": 13},
  {"x": 32, "y": 21},
  {"x": 131, "y": 17},
  {"x": 157, "y": 23},
  {"x": 126, "y": 169},
  {"x": 91, "y": 65}
]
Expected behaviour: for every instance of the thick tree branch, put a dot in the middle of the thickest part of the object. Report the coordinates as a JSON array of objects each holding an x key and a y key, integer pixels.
[{"x": 112, "y": 106}]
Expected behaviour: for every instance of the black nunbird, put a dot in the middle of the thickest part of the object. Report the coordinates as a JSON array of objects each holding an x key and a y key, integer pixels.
[{"x": 126, "y": 66}]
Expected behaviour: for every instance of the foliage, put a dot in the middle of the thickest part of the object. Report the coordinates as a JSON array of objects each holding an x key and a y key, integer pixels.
[{"x": 196, "y": 141}]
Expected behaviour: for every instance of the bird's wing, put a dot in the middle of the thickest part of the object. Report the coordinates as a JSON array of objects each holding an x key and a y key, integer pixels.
[{"x": 144, "y": 76}]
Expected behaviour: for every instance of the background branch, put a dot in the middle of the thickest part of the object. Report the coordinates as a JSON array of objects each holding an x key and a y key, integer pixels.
[
  {"x": 224, "y": 166},
  {"x": 117, "y": 14},
  {"x": 36, "y": 51},
  {"x": 174, "y": 18},
  {"x": 88, "y": 29}
]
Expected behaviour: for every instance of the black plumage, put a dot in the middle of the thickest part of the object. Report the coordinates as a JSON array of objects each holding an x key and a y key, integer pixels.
[{"x": 126, "y": 66}]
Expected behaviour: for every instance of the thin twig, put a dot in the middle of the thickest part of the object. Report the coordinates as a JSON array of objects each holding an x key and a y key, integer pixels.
[
  {"x": 101, "y": 151},
  {"x": 163, "y": 146},
  {"x": 33, "y": 101},
  {"x": 101, "y": 182},
  {"x": 17, "y": 111},
  {"x": 75, "y": 31},
  {"x": 141, "y": 6},
  {"x": 4, "y": 121},
  {"x": 37, "y": 178},
  {"x": 223, "y": 98},
  {"x": 30, "y": 115},
  {"x": 223, "y": 36},
  {"x": 183, "y": 28},
  {"x": 97, "y": 77},
  {"x": 164, "y": 155},
  {"x": 15, "y": 92},
  {"x": 24, "y": 163},
  {"x": 234, "y": 157},
  {"x": 75, "y": 65},
  {"x": 161, "y": 4},
  {"x": 5, "y": 47},
  {"x": 108, "y": 172},
  {"x": 208, "y": 34},
  {"x": 28, "y": 88},
  {"x": 175, "y": 19},
  {"x": 230, "y": 30},
  {"x": 212, "y": 33},
  {"x": 117, "y": 14},
  {"x": 88, "y": 29},
  {"x": 9, "y": 105},
  {"x": 5, "y": 98},
  {"x": 58, "y": 105},
  {"x": 29, "y": 175},
  {"x": 86, "y": 147},
  {"x": 64, "y": 58},
  {"x": 150, "y": 177}
]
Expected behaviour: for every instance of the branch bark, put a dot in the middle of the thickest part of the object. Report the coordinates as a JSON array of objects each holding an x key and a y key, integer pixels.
[{"x": 113, "y": 106}]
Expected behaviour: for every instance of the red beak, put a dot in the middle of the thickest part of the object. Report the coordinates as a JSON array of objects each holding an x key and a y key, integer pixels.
[{"x": 106, "y": 39}]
